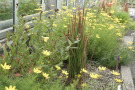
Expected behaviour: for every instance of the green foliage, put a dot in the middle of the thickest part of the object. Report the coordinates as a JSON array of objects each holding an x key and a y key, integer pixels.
[
  {"x": 130, "y": 25},
  {"x": 122, "y": 16},
  {"x": 25, "y": 7},
  {"x": 5, "y": 10},
  {"x": 110, "y": 60},
  {"x": 78, "y": 43},
  {"x": 105, "y": 32},
  {"x": 30, "y": 82},
  {"x": 17, "y": 54},
  {"x": 28, "y": 7}
]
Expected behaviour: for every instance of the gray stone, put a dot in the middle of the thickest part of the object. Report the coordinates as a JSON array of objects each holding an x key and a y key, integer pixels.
[{"x": 127, "y": 77}]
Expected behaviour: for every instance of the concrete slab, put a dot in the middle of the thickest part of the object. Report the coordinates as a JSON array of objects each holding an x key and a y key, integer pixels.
[{"x": 127, "y": 77}]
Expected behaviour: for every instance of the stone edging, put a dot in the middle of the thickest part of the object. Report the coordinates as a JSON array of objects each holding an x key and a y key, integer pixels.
[{"x": 127, "y": 78}]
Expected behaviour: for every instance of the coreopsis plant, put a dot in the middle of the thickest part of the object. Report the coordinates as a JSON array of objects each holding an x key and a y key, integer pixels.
[
  {"x": 17, "y": 53},
  {"x": 5, "y": 66},
  {"x": 10, "y": 88}
]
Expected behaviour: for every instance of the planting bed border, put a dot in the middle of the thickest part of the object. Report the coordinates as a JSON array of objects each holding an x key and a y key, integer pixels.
[{"x": 127, "y": 78}]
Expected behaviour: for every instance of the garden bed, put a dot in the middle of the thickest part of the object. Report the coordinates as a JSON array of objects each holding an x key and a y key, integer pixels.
[{"x": 89, "y": 39}]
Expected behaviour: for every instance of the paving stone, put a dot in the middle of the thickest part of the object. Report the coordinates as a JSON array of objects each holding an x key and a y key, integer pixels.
[{"x": 127, "y": 77}]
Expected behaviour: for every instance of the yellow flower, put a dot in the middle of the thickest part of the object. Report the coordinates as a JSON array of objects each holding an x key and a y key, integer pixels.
[
  {"x": 102, "y": 68},
  {"x": 5, "y": 66},
  {"x": 115, "y": 73},
  {"x": 73, "y": 8},
  {"x": 57, "y": 67},
  {"x": 119, "y": 34},
  {"x": 123, "y": 26},
  {"x": 65, "y": 72},
  {"x": 45, "y": 75},
  {"x": 51, "y": 11},
  {"x": 78, "y": 76},
  {"x": 46, "y": 52},
  {"x": 54, "y": 25},
  {"x": 95, "y": 76},
  {"x": 130, "y": 42},
  {"x": 52, "y": 5},
  {"x": 27, "y": 26},
  {"x": 112, "y": 12},
  {"x": 48, "y": 61},
  {"x": 37, "y": 70},
  {"x": 45, "y": 38},
  {"x": 97, "y": 36},
  {"x": 39, "y": 9},
  {"x": 118, "y": 80},
  {"x": 60, "y": 76},
  {"x": 10, "y": 88},
  {"x": 64, "y": 7},
  {"x": 42, "y": 63},
  {"x": 65, "y": 26},
  {"x": 83, "y": 70},
  {"x": 66, "y": 77},
  {"x": 84, "y": 85},
  {"x": 130, "y": 48}
]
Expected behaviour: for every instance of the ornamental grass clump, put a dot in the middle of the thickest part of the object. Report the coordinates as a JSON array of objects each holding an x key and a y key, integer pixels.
[{"x": 78, "y": 43}]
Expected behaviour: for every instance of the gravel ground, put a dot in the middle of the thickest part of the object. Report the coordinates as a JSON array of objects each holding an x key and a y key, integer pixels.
[{"x": 105, "y": 82}]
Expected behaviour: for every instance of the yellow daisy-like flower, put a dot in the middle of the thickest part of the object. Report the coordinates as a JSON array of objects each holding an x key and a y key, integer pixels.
[
  {"x": 46, "y": 52},
  {"x": 95, "y": 76},
  {"x": 73, "y": 8},
  {"x": 5, "y": 66},
  {"x": 54, "y": 25},
  {"x": 27, "y": 26},
  {"x": 130, "y": 42},
  {"x": 65, "y": 26},
  {"x": 102, "y": 68},
  {"x": 118, "y": 80},
  {"x": 39, "y": 9},
  {"x": 52, "y": 5},
  {"x": 130, "y": 48},
  {"x": 97, "y": 36},
  {"x": 115, "y": 73},
  {"x": 84, "y": 85},
  {"x": 57, "y": 67},
  {"x": 45, "y": 75},
  {"x": 119, "y": 34},
  {"x": 45, "y": 38},
  {"x": 83, "y": 70},
  {"x": 10, "y": 88},
  {"x": 37, "y": 70},
  {"x": 65, "y": 72},
  {"x": 112, "y": 12},
  {"x": 64, "y": 7}
]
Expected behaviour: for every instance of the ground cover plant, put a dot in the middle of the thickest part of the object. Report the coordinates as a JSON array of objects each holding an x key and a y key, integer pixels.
[{"x": 35, "y": 58}]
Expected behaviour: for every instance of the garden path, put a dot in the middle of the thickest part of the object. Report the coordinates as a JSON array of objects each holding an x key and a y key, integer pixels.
[{"x": 130, "y": 37}]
